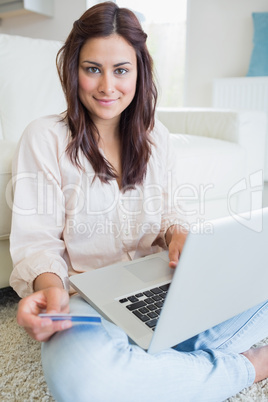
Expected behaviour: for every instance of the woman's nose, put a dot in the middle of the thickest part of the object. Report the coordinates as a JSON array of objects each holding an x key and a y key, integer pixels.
[{"x": 106, "y": 84}]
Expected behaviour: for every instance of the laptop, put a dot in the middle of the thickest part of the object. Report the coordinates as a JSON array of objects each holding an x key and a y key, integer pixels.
[{"x": 219, "y": 275}]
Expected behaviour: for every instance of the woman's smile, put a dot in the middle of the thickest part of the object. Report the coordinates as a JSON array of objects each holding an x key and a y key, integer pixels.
[{"x": 106, "y": 102}]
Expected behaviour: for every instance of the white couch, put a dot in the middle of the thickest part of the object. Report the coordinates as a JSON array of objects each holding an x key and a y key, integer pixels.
[
  {"x": 216, "y": 149},
  {"x": 246, "y": 93}
]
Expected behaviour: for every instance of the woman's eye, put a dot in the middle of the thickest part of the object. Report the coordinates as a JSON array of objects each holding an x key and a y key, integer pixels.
[
  {"x": 93, "y": 70},
  {"x": 120, "y": 71}
]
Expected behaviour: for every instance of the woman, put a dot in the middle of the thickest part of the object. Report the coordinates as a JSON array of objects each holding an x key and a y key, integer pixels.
[{"x": 94, "y": 191}]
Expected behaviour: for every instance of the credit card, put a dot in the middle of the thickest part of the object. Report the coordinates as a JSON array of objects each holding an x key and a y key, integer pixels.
[{"x": 73, "y": 317}]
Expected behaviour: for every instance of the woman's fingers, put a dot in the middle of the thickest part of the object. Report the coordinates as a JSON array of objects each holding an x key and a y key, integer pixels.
[
  {"x": 50, "y": 300},
  {"x": 175, "y": 246}
]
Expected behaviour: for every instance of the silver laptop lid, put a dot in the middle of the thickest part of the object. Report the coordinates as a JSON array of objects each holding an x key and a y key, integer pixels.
[{"x": 219, "y": 275}]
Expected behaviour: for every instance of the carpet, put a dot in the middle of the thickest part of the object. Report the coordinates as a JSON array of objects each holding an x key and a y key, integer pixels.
[{"x": 21, "y": 376}]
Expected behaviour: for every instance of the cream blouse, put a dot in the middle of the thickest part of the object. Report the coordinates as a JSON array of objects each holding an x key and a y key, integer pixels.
[{"x": 65, "y": 222}]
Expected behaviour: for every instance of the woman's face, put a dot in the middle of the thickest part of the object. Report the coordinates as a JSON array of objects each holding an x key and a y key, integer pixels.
[{"x": 107, "y": 77}]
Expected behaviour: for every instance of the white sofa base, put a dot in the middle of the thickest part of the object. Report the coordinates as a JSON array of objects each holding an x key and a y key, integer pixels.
[{"x": 5, "y": 263}]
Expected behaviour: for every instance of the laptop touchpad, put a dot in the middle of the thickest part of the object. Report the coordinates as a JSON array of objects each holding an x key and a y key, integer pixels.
[{"x": 150, "y": 270}]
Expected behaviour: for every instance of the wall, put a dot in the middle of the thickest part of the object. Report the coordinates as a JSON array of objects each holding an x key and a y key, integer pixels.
[
  {"x": 37, "y": 26},
  {"x": 219, "y": 44},
  {"x": 219, "y": 38}
]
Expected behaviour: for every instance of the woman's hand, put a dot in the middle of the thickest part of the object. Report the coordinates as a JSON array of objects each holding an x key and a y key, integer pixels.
[
  {"x": 175, "y": 239},
  {"x": 50, "y": 300}
]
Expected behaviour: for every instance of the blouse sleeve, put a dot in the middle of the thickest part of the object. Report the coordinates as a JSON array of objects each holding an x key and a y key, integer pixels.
[
  {"x": 36, "y": 242},
  {"x": 172, "y": 211}
]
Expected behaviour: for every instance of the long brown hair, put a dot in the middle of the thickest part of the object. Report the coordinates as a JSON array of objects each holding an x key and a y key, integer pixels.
[{"x": 136, "y": 121}]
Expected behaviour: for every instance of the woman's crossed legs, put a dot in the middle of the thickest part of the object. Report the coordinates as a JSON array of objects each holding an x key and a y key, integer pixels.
[{"x": 97, "y": 363}]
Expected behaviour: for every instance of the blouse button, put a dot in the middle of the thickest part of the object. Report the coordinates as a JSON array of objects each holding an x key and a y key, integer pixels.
[
  {"x": 124, "y": 217},
  {"x": 126, "y": 232}
]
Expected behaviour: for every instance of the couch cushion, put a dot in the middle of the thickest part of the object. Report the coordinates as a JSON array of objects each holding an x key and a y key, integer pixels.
[
  {"x": 206, "y": 169},
  {"x": 7, "y": 150},
  {"x": 29, "y": 84}
]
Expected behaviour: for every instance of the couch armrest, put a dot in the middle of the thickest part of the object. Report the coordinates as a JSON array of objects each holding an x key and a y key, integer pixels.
[{"x": 246, "y": 128}]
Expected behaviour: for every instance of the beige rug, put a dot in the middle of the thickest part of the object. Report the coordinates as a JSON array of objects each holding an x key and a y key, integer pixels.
[{"x": 21, "y": 377}]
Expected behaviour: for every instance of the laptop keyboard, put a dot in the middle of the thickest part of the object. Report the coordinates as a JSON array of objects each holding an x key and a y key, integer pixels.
[{"x": 147, "y": 305}]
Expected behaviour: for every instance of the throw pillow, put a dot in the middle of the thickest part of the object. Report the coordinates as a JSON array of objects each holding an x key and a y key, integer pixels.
[{"x": 259, "y": 58}]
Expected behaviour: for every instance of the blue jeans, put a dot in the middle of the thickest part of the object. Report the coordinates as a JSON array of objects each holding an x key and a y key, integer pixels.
[{"x": 97, "y": 363}]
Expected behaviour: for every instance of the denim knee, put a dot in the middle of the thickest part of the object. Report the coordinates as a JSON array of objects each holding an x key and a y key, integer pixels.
[{"x": 70, "y": 361}]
